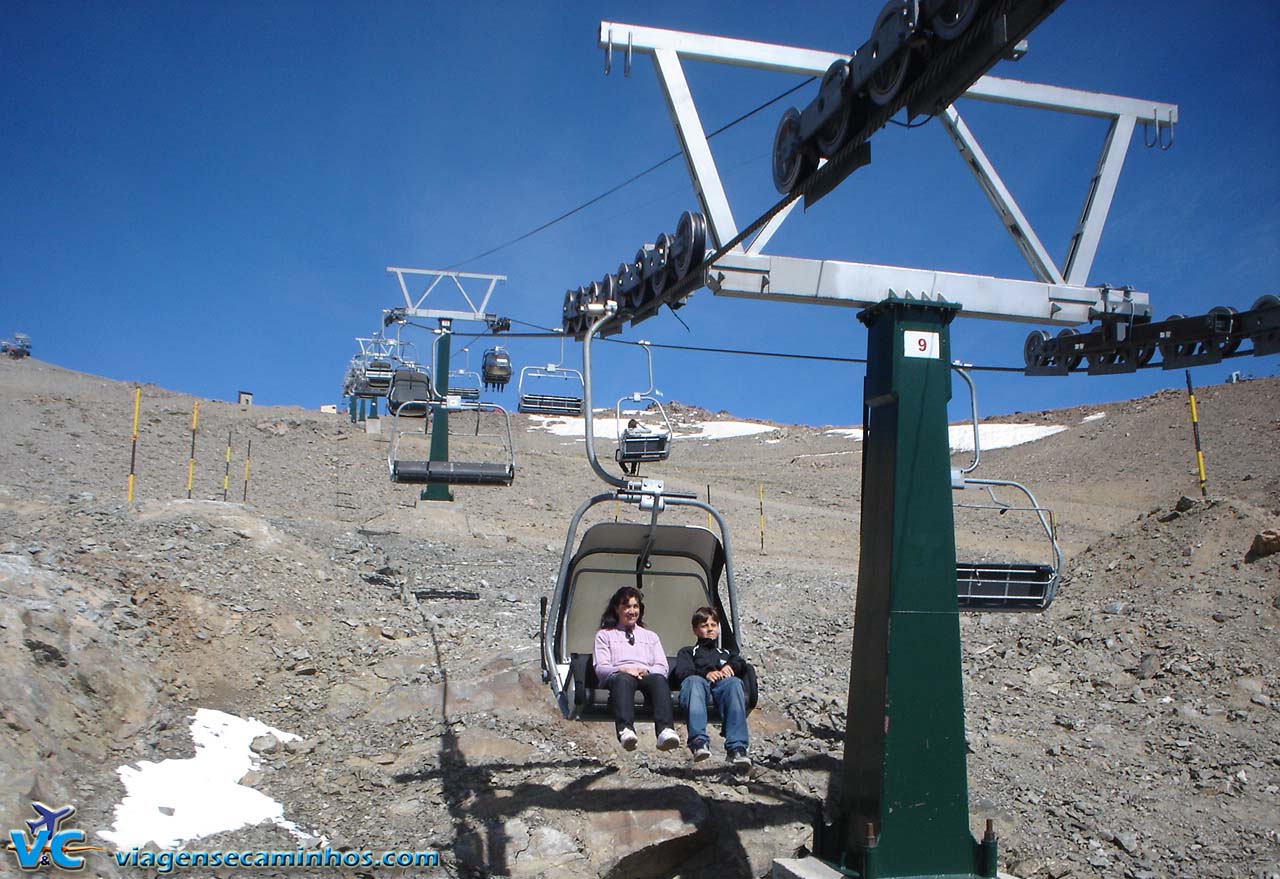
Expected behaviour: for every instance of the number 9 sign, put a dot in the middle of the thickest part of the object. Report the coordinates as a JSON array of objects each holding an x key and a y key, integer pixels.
[{"x": 920, "y": 344}]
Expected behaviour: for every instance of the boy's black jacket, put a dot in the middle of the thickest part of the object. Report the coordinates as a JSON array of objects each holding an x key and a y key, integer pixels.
[{"x": 705, "y": 656}]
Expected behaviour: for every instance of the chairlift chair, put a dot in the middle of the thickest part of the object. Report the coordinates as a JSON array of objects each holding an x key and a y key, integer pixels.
[
  {"x": 538, "y": 403},
  {"x": 1004, "y": 586},
  {"x": 465, "y": 385},
  {"x": 643, "y": 446},
  {"x": 421, "y": 472},
  {"x": 496, "y": 368},
  {"x": 377, "y": 375},
  {"x": 677, "y": 568},
  {"x": 410, "y": 393}
]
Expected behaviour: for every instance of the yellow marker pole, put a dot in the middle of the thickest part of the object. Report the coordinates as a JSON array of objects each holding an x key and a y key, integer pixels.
[
  {"x": 248, "y": 455},
  {"x": 191, "y": 462},
  {"x": 762, "y": 552},
  {"x": 226, "y": 474},
  {"x": 1195, "y": 430},
  {"x": 133, "y": 456},
  {"x": 709, "y": 528}
]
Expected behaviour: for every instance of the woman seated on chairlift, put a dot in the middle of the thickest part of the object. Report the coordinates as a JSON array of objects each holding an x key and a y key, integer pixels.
[{"x": 629, "y": 657}]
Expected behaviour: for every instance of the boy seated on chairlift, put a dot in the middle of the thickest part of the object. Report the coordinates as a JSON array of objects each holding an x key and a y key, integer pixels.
[
  {"x": 706, "y": 672},
  {"x": 633, "y": 429}
]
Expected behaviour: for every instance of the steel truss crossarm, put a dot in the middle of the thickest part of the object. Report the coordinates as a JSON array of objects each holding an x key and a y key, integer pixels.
[
  {"x": 1059, "y": 295},
  {"x": 413, "y": 307}
]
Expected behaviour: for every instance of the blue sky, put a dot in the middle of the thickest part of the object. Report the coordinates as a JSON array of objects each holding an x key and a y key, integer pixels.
[{"x": 206, "y": 195}]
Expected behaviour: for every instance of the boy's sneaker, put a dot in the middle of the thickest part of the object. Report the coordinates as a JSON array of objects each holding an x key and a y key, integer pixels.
[
  {"x": 628, "y": 739},
  {"x": 701, "y": 752},
  {"x": 739, "y": 759},
  {"x": 667, "y": 739}
]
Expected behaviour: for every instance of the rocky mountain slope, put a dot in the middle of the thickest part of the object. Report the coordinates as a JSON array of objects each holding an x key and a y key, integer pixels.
[{"x": 1130, "y": 731}]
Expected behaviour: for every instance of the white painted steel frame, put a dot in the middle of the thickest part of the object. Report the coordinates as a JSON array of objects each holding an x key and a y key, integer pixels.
[{"x": 1057, "y": 296}]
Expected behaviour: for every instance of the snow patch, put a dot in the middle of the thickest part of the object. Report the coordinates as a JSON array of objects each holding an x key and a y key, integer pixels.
[
  {"x": 992, "y": 436},
  {"x": 1094, "y": 417},
  {"x": 176, "y": 800}
]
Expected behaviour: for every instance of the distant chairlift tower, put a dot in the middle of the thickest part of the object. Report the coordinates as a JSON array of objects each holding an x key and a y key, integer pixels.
[
  {"x": 903, "y": 804},
  {"x": 474, "y": 311}
]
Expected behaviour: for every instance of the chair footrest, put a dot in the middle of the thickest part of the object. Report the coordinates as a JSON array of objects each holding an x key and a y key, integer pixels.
[{"x": 997, "y": 586}]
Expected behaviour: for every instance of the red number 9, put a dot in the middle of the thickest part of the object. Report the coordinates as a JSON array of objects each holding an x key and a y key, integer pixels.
[{"x": 922, "y": 344}]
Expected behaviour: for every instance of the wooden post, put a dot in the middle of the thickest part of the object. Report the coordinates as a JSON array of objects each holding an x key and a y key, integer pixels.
[
  {"x": 133, "y": 455},
  {"x": 248, "y": 455},
  {"x": 191, "y": 462}
]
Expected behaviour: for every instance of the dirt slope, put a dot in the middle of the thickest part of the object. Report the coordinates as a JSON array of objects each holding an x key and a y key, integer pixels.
[{"x": 1131, "y": 731}]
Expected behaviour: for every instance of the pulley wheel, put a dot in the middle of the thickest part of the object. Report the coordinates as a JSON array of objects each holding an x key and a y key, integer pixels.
[
  {"x": 637, "y": 294},
  {"x": 609, "y": 288},
  {"x": 1266, "y": 301},
  {"x": 791, "y": 162},
  {"x": 1145, "y": 353},
  {"x": 690, "y": 244},
  {"x": 1232, "y": 342},
  {"x": 661, "y": 276},
  {"x": 1072, "y": 360},
  {"x": 887, "y": 81},
  {"x": 1033, "y": 351},
  {"x": 832, "y": 135},
  {"x": 1103, "y": 358},
  {"x": 953, "y": 18},
  {"x": 1169, "y": 349}
]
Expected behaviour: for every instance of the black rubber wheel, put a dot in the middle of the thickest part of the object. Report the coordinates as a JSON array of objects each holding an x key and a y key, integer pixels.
[
  {"x": 690, "y": 244},
  {"x": 791, "y": 162},
  {"x": 1072, "y": 360},
  {"x": 832, "y": 136},
  {"x": 887, "y": 81},
  {"x": 1033, "y": 352},
  {"x": 1103, "y": 358},
  {"x": 661, "y": 276},
  {"x": 1266, "y": 301},
  {"x": 953, "y": 18}
]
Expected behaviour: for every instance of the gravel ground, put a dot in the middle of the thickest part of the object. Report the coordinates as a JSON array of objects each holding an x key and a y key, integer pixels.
[{"x": 1130, "y": 731}]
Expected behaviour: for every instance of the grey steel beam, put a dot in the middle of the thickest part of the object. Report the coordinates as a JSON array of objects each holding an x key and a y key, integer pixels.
[
  {"x": 857, "y": 285},
  {"x": 694, "y": 145},
  {"x": 1024, "y": 236},
  {"x": 1102, "y": 189}
]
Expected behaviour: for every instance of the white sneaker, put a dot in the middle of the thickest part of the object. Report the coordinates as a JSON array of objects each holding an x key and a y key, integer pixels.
[
  {"x": 628, "y": 739},
  {"x": 700, "y": 753},
  {"x": 668, "y": 739}
]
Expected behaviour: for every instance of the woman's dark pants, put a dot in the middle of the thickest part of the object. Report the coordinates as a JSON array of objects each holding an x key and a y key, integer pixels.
[{"x": 622, "y": 699}]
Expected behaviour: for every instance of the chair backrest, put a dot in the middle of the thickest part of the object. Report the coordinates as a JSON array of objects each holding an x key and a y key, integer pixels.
[
  {"x": 409, "y": 385},
  {"x": 682, "y": 575}
]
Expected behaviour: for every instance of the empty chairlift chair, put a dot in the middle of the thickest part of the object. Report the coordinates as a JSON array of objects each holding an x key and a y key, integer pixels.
[
  {"x": 1004, "y": 585},
  {"x": 465, "y": 385},
  {"x": 413, "y": 471},
  {"x": 377, "y": 375},
  {"x": 410, "y": 393},
  {"x": 496, "y": 369},
  {"x": 680, "y": 570},
  {"x": 534, "y": 396}
]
